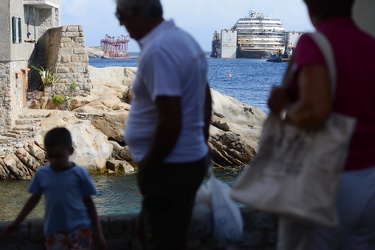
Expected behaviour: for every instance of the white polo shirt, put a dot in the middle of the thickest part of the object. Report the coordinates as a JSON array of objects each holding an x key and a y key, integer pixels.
[{"x": 171, "y": 63}]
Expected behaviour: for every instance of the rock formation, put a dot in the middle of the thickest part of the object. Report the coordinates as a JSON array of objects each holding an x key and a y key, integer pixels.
[
  {"x": 97, "y": 121},
  {"x": 95, "y": 52},
  {"x": 234, "y": 132}
]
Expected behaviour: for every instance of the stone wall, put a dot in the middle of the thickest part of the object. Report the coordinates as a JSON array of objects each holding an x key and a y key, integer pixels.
[
  {"x": 65, "y": 52},
  {"x": 120, "y": 233},
  {"x": 4, "y": 95},
  {"x": 5, "y": 31},
  {"x": 50, "y": 2},
  {"x": 11, "y": 93}
]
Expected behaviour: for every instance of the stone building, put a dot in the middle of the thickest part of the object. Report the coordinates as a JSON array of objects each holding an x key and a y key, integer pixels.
[
  {"x": 23, "y": 23},
  {"x": 32, "y": 36}
]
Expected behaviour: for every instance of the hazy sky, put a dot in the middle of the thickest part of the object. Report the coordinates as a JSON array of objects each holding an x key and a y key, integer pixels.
[{"x": 199, "y": 17}]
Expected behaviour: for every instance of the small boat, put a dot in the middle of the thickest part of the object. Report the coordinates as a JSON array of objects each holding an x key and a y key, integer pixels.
[{"x": 279, "y": 58}]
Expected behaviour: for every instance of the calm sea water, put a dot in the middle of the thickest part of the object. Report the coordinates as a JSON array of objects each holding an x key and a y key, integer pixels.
[
  {"x": 117, "y": 194},
  {"x": 247, "y": 80}
]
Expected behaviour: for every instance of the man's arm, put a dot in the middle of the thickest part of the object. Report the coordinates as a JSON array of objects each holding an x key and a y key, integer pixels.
[
  {"x": 27, "y": 208},
  {"x": 207, "y": 112},
  {"x": 167, "y": 130}
]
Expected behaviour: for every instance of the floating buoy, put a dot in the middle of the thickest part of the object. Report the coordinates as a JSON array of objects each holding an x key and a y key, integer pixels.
[{"x": 229, "y": 75}]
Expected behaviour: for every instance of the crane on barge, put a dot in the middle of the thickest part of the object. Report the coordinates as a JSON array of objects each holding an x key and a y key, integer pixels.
[{"x": 115, "y": 48}]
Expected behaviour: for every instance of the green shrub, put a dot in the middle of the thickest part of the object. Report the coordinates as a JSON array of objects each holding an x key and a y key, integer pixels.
[
  {"x": 73, "y": 85},
  {"x": 58, "y": 99},
  {"x": 48, "y": 77}
]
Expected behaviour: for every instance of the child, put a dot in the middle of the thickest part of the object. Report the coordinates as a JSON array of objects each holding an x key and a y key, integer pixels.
[{"x": 70, "y": 211}]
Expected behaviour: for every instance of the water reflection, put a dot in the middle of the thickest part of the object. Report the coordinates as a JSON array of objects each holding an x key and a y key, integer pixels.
[
  {"x": 13, "y": 197},
  {"x": 117, "y": 194}
]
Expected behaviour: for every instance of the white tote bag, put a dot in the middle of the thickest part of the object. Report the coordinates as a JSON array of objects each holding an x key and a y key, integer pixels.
[
  {"x": 295, "y": 174},
  {"x": 228, "y": 224},
  {"x": 202, "y": 219},
  {"x": 216, "y": 213}
]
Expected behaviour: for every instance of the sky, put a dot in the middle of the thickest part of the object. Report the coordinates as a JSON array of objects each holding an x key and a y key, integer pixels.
[{"x": 201, "y": 18}]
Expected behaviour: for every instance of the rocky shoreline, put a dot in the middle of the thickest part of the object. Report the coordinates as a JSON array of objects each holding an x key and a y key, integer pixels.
[
  {"x": 95, "y": 52},
  {"x": 97, "y": 121}
]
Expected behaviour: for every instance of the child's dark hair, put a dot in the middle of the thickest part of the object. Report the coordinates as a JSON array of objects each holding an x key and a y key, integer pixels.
[{"x": 58, "y": 137}]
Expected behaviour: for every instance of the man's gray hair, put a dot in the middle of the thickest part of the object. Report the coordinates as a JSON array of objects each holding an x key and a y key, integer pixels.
[{"x": 150, "y": 8}]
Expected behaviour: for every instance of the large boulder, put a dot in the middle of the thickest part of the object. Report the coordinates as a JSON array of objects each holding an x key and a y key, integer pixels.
[
  {"x": 111, "y": 124},
  {"x": 97, "y": 122},
  {"x": 234, "y": 132},
  {"x": 110, "y": 76},
  {"x": 58, "y": 119},
  {"x": 95, "y": 52},
  {"x": 28, "y": 160},
  {"x": 111, "y": 89},
  {"x": 118, "y": 166},
  {"x": 239, "y": 118},
  {"x": 94, "y": 108},
  {"x": 37, "y": 152},
  {"x": 79, "y": 101},
  {"x": 92, "y": 148},
  {"x": 4, "y": 173},
  {"x": 15, "y": 168}
]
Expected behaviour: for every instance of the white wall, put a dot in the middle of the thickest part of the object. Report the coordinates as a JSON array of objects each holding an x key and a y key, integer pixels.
[
  {"x": 228, "y": 43},
  {"x": 5, "y": 31}
]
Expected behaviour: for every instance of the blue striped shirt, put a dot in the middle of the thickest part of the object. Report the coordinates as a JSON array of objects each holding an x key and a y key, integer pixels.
[{"x": 64, "y": 193}]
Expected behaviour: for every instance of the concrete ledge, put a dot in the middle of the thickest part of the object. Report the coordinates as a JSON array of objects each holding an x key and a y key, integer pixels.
[{"x": 120, "y": 233}]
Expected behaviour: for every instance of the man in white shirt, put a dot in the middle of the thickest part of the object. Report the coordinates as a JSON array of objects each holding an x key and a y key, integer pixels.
[{"x": 167, "y": 127}]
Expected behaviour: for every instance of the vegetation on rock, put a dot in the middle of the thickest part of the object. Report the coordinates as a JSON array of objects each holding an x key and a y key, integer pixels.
[
  {"x": 73, "y": 85},
  {"x": 58, "y": 99},
  {"x": 47, "y": 75}
]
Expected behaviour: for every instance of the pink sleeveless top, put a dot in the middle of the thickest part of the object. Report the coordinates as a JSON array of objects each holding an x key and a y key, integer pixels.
[{"x": 354, "y": 52}]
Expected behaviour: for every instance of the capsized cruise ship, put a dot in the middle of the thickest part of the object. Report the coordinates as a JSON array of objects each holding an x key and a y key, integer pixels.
[
  {"x": 256, "y": 36},
  {"x": 259, "y": 36}
]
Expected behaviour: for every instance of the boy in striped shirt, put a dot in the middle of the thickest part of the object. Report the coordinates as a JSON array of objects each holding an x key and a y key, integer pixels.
[{"x": 70, "y": 212}]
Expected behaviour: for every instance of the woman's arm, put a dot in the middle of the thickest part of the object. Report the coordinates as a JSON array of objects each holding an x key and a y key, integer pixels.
[
  {"x": 279, "y": 98},
  {"x": 314, "y": 105}
]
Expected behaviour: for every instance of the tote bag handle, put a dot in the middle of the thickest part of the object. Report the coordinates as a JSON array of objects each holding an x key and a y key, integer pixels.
[{"x": 326, "y": 49}]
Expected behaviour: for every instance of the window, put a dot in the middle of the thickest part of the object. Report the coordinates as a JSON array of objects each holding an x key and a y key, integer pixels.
[{"x": 16, "y": 29}]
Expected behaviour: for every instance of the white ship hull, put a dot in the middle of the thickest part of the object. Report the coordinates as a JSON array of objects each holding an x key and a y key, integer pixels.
[{"x": 258, "y": 36}]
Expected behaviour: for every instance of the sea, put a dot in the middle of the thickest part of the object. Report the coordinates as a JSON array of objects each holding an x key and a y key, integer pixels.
[
  {"x": 248, "y": 80},
  {"x": 245, "y": 79}
]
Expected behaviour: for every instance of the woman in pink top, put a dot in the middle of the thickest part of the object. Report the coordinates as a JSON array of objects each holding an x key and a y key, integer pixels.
[{"x": 305, "y": 100}]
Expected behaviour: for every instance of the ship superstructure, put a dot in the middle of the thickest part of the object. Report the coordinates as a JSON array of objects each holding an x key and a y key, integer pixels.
[
  {"x": 259, "y": 36},
  {"x": 255, "y": 36}
]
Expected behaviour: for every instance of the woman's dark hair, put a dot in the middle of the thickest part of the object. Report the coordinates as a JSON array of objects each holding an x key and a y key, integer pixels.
[
  {"x": 330, "y": 8},
  {"x": 58, "y": 137}
]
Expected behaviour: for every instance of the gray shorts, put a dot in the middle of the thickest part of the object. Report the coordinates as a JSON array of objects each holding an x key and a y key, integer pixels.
[{"x": 356, "y": 210}]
